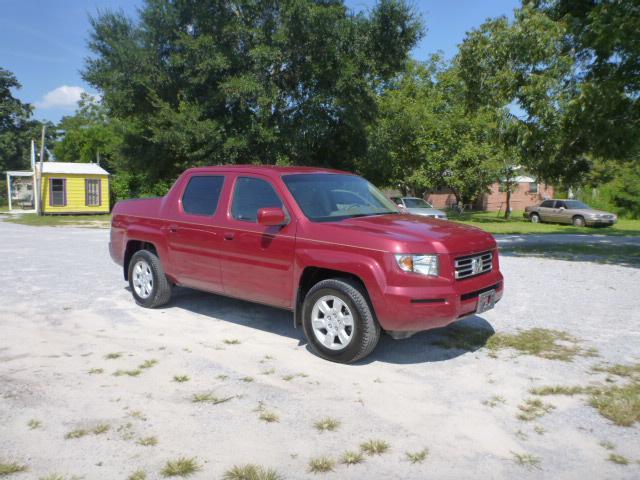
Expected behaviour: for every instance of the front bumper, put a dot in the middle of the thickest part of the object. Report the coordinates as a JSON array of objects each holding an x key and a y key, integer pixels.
[
  {"x": 596, "y": 222},
  {"x": 416, "y": 308}
]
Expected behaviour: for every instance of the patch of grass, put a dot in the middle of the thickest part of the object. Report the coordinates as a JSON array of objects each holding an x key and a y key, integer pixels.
[
  {"x": 78, "y": 433},
  {"x": 321, "y": 465},
  {"x": 374, "y": 447},
  {"x": 540, "y": 342},
  {"x": 494, "y": 401},
  {"x": 517, "y": 224},
  {"x": 222, "y": 377},
  {"x": 526, "y": 460},
  {"x": 269, "y": 416},
  {"x": 148, "y": 441},
  {"x": 95, "y": 371},
  {"x": 351, "y": 458},
  {"x": 138, "y": 415},
  {"x": 129, "y": 373},
  {"x": 247, "y": 379},
  {"x": 209, "y": 398},
  {"x": 533, "y": 408},
  {"x": 181, "y": 378},
  {"x": 11, "y": 468},
  {"x": 618, "y": 459},
  {"x": 621, "y": 405},
  {"x": 558, "y": 390},
  {"x": 607, "y": 445},
  {"x": 113, "y": 356},
  {"x": 288, "y": 378},
  {"x": 231, "y": 341},
  {"x": 270, "y": 371},
  {"x": 251, "y": 472},
  {"x": 417, "y": 457},
  {"x": 181, "y": 467},
  {"x": 53, "y": 476},
  {"x": 33, "y": 424},
  {"x": 539, "y": 430},
  {"x": 100, "y": 429},
  {"x": 148, "y": 363},
  {"x": 138, "y": 475},
  {"x": 326, "y": 424},
  {"x": 35, "y": 220},
  {"x": 461, "y": 337},
  {"x": 626, "y": 371}
]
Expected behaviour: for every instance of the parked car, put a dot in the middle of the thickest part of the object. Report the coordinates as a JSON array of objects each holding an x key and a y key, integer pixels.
[
  {"x": 569, "y": 211},
  {"x": 324, "y": 244},
  {"x": 417, "y": 206}
]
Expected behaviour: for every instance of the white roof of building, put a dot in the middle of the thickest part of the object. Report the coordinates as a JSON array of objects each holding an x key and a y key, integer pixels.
[{"x": 70, "y": 167}]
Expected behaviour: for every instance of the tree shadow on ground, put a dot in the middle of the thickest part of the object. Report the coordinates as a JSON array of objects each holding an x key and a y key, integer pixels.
[
  {"x": 437, "y": 345},
  {"x": 616, "y": 255}
]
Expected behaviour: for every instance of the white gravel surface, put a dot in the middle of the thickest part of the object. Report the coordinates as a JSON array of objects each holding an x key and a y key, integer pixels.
[{"x": 64, "y": 306}]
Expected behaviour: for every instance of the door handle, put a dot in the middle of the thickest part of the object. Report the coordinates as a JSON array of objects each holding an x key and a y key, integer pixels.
[
  {"x": 173, "y": 228},
  {"x": 229, "y": 235}
]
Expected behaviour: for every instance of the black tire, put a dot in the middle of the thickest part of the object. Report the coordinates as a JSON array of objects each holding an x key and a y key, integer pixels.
[
  {"x": 161, "y": 290},
  {"x": 366, "y": 331},
  {"x": 537, "y": 218},
  {"x": 578, "y": 221}
]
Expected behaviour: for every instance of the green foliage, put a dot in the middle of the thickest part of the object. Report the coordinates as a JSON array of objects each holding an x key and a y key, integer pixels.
[
  {"x": 425, "y": 138},
  {"x": 191, "y": 83},
  {"x": 17, "y": 129}
]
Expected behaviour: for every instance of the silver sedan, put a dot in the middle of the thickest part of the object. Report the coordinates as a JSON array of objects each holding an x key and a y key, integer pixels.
[
  {"x": 569, "y": 211},
  {"x": 417, "y": 206}
]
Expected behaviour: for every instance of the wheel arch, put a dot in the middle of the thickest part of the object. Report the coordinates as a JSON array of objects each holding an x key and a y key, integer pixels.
[{"x": 132, "y": 247}]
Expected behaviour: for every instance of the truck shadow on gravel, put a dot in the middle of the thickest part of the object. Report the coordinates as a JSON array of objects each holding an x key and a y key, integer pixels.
[{"x": 437, "y": 345}]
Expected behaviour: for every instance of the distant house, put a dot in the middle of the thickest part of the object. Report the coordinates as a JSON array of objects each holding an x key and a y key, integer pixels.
[
  {"x": 526, "y": 192},
  {"x": 74, "y": 188},
  {"x": 64, "y": 188}
]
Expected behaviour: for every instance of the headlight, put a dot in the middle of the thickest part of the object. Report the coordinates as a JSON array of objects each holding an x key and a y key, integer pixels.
[{"x": 422, "y": 264}]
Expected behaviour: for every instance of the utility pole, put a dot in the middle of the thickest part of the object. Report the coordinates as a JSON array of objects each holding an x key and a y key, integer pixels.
[
  {"x": 39, "y": 186},
  {"x": 36, "y": 195}
]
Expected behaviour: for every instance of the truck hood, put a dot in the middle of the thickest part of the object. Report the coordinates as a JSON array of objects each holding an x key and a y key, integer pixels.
[{"x": 404, "y": 233}]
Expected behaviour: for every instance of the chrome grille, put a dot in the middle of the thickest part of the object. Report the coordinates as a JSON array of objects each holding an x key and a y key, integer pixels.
[{"x": 472, "y": 265}]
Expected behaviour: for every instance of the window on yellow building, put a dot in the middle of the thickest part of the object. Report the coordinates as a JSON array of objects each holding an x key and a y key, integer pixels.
[
  {"x": 57, "y": 192},
  {"x": 92, "y": 193}
]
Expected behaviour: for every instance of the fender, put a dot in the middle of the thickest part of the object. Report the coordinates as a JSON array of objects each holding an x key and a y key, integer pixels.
[
  {"x": 151, "y": 234},
  {"x": 364, "y": 266}
]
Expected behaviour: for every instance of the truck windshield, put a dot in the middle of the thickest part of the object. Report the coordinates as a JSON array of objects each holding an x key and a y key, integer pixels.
[{"x": 329, "y": 197}]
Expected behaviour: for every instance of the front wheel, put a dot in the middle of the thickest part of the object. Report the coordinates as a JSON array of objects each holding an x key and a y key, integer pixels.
[
  {"x": 578, "y": 221},
  {"x": 149, "y": 285},
  {"x": 338, "y": 321}
]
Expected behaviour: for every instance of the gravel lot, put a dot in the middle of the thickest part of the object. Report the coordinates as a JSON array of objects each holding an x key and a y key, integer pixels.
[{"x": 64, "y": 307}]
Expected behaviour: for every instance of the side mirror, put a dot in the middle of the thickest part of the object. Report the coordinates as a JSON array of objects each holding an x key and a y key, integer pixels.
[{"x": 271, "y": 217}]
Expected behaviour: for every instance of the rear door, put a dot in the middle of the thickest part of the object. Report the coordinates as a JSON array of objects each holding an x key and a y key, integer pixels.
[
  {"x": 560, "y": 214},
  {"x": 545, "y": 210},
  {"x": 194, "y": 233},
  {"x": 257, "y": 261}
]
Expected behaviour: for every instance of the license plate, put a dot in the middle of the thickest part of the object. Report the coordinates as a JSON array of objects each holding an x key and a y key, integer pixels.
[{"x": 486, "y": 301}]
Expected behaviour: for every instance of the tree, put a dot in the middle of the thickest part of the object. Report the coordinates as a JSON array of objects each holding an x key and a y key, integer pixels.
[
  {"x": 290, "y": 81},
  {"x": 16, "y": 126},
  {"x": 426, "y": 139}
]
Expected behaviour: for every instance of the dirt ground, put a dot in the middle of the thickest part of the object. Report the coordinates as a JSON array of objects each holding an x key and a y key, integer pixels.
[{"x": 65, "y": 312}]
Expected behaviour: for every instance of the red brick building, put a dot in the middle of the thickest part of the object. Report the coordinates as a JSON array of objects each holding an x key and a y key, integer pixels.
[{"x": 527, "y": 192}]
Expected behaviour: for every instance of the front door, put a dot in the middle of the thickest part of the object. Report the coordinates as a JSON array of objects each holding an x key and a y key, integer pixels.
[{"x": 257, "y": 261}]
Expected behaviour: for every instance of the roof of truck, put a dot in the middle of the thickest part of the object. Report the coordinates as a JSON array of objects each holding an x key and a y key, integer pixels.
[{"x": 266, "y": 169}]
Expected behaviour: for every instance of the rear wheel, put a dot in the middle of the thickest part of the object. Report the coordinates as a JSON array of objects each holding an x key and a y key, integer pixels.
[
  {"x": 338, "y": 321},
  {"x": 535, "y": 218},
  {"x": 578, "y": 221},
  {"x": 149, "y": 285}
]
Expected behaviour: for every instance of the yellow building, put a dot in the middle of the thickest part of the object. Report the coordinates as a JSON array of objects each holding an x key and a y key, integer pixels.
[{"x": 73, "y": 188}]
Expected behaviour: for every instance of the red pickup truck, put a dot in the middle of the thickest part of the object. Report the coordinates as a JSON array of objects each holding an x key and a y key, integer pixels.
[{"x": 324, "y": 244}]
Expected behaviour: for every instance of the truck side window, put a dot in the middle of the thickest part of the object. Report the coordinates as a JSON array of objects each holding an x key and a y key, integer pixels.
[
  {"x": 202, "y": 194},
  {"x": 250, "y": 195},
  {"x": 547, "y": 204}
]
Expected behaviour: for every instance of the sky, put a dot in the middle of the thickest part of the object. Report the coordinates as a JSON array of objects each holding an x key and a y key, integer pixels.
[{"x": 44, "y": 42}]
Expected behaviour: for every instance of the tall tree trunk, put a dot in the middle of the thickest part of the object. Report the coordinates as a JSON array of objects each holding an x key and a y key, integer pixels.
[{"x": 507, "y": 212}]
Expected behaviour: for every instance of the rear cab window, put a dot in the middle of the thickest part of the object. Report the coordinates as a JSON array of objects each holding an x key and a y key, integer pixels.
[
  {"x": 250, "y": 195},
  {"x": 202, "y": 195}
]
